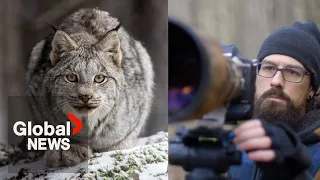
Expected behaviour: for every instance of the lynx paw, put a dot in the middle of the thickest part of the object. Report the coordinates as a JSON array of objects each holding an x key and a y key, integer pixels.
[{"x": 64, "y": 158}]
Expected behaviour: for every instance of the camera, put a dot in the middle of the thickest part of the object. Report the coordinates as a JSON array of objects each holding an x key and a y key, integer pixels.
[{"x": 210, "y": 85}]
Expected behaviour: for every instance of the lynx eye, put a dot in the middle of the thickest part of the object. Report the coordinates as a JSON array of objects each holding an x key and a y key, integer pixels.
[
  {"x": 72, "y": 77},
  {"x": 99, "y": 78}
]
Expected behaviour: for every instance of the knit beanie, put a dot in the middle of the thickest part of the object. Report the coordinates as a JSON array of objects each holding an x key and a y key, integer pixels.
[{"x": 300, "y": 41}]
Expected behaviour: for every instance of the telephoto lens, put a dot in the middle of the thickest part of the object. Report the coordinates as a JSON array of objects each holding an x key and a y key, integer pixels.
[{"x": 201, "y": 78}]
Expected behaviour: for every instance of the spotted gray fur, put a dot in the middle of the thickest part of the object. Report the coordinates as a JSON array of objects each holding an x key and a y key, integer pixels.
[{"x": 87, "y": 44}]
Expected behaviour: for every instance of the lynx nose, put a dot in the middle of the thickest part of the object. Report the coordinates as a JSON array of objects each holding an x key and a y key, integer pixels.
[{"x": 85, "y": 98}]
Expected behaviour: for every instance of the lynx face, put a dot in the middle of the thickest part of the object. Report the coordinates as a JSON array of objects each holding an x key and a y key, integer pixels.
[{"x": 86, "y": 78}]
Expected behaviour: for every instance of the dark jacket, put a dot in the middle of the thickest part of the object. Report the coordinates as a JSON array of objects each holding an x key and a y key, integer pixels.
[{"x": 309, "y": 134}]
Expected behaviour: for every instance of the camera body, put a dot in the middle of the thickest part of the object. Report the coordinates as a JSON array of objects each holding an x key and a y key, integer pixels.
[{"x": 241, "y": 107}]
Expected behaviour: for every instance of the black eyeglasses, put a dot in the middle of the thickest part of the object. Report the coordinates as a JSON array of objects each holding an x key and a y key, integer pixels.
[{"x": 294, "y": 75}]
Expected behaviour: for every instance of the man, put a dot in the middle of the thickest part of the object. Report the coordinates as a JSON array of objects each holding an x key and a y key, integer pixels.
[{"x": 283, "y": 142}]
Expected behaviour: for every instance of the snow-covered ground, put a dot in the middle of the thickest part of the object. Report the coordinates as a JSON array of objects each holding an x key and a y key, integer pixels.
[{"x": 147, "y": 161}]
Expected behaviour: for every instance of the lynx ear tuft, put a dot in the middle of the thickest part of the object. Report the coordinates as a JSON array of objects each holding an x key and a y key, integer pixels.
[{"x": 61, "y": 43}]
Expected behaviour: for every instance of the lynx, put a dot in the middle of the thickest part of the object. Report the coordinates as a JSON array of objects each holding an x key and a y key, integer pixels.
[{"x": 92, "y": 67}]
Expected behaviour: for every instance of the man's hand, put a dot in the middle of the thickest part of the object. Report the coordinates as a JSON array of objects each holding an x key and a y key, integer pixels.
[
  {"x": 251, "y": 137},
  {"x": 275, "y": 148}
]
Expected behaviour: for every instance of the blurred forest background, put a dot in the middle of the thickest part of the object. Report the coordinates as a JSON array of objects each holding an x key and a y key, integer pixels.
[
  {"x": 23, "y": 25},
  {"x": 245, "y": 23}
]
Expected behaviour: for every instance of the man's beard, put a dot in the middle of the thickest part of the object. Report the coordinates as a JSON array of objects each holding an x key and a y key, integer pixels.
[{"x": 272, "y": 111}]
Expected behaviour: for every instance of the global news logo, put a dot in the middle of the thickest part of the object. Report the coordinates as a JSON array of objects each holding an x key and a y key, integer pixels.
[{"x": 45, "y": 132}]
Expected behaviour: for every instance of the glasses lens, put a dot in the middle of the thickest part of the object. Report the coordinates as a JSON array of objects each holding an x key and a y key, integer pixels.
[
  {"x": 292, "y": 75},
  {"x": 267, "y": 70}
]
